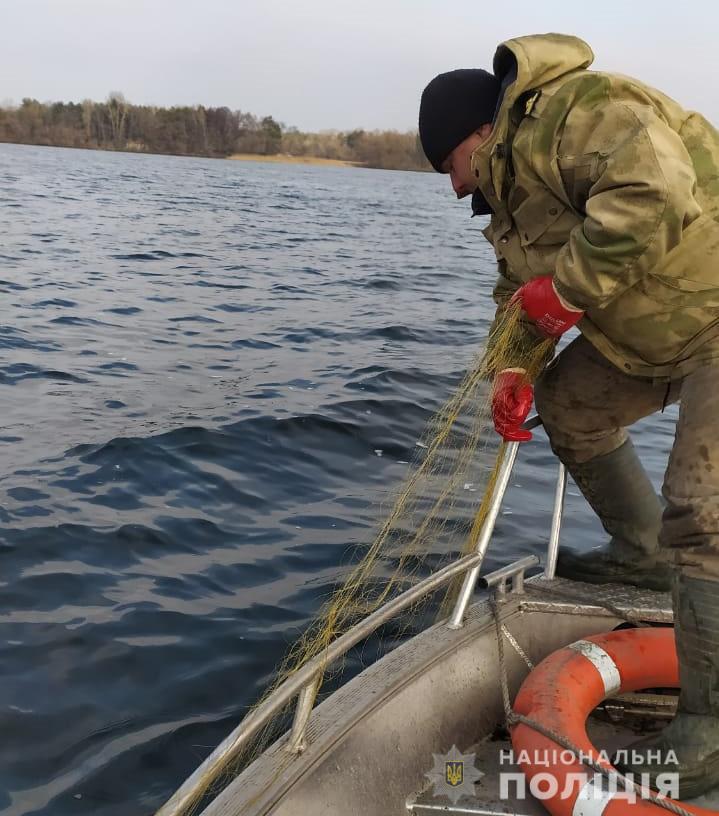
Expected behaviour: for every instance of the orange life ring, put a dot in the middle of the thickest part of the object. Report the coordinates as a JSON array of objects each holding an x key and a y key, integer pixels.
[{"x": 563, "y": 690}]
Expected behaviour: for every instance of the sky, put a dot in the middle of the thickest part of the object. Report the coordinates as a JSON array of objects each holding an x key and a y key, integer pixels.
[{"x": 331, "y": 64}]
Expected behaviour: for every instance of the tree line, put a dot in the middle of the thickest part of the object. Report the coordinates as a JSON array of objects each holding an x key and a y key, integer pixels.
[{"x": 197, "y": 131}]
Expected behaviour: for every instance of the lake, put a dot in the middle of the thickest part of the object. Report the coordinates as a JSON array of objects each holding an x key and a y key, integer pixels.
[{"x": 213, "y": 375}]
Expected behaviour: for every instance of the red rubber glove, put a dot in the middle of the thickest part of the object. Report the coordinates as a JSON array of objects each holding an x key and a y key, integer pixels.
[
  {"x": 545, "y": 308},
  {"x": 511, "y": 400}
]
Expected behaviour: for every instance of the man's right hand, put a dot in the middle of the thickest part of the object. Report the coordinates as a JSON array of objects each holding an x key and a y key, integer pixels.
[
  {"x": 545, "y": 307},
  {"x": 512, "y": 398}
]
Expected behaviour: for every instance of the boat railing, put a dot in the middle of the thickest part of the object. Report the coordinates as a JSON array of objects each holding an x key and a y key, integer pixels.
[{"x": 303, "y": 683}]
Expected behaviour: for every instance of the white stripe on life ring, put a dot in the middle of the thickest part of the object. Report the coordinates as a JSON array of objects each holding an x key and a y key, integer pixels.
[
  {"x": 602, "y": 662},
  {"x": 591, "y": 801}
]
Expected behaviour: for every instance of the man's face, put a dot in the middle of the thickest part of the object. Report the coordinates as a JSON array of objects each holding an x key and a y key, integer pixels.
[{"x": 458, "y": 163}]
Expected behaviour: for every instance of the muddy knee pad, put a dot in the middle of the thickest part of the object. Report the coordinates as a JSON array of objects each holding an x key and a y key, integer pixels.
[{"x": 576, "y": 429}]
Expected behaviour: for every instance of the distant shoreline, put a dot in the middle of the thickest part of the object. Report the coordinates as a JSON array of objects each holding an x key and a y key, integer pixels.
[
  {"x": 208, "y": 132},
  {"x": 286, "y": 158}
]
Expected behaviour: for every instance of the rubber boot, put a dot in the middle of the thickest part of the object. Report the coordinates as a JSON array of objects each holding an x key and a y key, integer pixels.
[
  {"x": 693, "y": 734},
  {"x": 620, "y": 493}
]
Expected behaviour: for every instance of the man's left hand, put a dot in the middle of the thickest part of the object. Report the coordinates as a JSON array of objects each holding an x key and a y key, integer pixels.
[
  {"x": 545, "y": 307},
  {"x": 512, "y": 397}
]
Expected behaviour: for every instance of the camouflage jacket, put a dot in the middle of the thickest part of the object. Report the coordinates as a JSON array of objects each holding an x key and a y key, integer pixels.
[{"x": 613, "y": 188}]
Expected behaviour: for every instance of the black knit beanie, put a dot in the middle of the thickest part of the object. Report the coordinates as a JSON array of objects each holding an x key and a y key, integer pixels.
[{"x": 453, "y": 106}]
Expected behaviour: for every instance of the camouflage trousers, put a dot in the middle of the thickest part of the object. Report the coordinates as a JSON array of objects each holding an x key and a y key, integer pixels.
[{"x": 586, "y": 403}]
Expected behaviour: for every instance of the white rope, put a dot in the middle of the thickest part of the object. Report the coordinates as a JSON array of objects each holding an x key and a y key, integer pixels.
[{"x": 517, "y": 648}]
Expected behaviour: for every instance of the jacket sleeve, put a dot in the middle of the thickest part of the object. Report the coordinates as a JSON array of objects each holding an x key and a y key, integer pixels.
[{"x": 632, "y": 176}]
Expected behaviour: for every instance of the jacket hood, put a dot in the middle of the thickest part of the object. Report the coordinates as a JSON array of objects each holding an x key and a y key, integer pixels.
[
  {"x": 539, "y": 59},
  {"x": 525, "y": 64}
]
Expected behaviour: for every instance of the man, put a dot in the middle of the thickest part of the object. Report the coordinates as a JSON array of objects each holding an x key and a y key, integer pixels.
[{"x": 604, "y": 203}]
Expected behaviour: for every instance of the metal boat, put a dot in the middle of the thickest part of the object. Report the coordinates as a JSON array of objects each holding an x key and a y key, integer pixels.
[{"x": 369, "y": 748}]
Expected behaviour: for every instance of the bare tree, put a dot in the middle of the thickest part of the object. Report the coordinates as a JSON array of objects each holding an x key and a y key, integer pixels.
[{"x": 117, "y": 111}]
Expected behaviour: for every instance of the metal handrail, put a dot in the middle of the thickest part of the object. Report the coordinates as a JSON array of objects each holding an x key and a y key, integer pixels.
[
  {"x": 304, "y": 682},
  {"x": 515, "y": 571},
  {"x": 553, "y": 546},
  {"x": 456, "y": 621}
]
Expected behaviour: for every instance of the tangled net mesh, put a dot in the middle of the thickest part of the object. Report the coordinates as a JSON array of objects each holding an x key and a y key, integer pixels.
[{"x": 434, "y": 519}]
